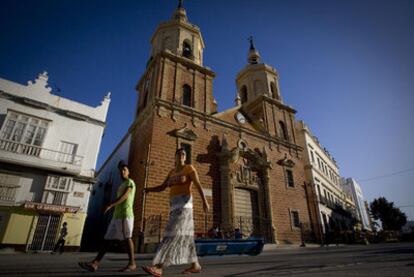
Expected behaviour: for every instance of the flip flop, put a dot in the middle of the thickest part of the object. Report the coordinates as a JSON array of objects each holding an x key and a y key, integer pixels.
[
  {"x": 191, "y": 270},
  {"x": 150, "y": 271},
  {"x": 87, "y": 266}
]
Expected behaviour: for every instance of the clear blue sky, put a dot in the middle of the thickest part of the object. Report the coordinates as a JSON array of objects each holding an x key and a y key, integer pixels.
[{"x": 346, "y": 66}]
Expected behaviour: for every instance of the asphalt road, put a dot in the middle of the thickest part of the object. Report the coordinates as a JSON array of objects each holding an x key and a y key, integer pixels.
[{"x": 394, "y": 259}]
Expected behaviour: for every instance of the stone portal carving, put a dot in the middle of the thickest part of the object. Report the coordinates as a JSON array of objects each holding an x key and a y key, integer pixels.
[{"x": 244, "y": 169}]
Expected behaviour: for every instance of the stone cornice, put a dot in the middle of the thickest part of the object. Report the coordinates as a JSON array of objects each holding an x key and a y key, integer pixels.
[
  {"x": 264, "y": 98},
  {"x": 40, "y": 105},
  {"x": 186, "y": 25},
  {"x": 286, "y": 162},
  {"x": 177, "y": 59},
  {"x": 254, "y": 68},
  {"x": 325, "y": 181},
  {"x": 188, "y": 63},
  {"x": 212, "y": 119},
  {"x": 185, "y": 133},
  {"x": 303, "y": 127}
]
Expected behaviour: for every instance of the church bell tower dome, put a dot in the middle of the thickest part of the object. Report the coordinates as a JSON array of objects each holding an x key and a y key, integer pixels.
[
  {"x": 257, "y": 79},
  {"x": 179, "y": 37}
]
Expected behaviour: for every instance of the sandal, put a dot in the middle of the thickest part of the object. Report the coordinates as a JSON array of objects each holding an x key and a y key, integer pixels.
[
  {"x": 151, "y": 271},
  {"x": 128, "y": 269},
  {"x": 87, "y": 266},
  {"x": 191, "y": 270}
]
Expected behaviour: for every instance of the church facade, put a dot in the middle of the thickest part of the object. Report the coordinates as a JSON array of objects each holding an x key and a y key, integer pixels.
[{"x": 248, "y": 157}]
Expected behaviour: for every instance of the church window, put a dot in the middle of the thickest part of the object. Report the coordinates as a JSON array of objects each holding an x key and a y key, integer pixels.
[
  {"x": 187, "y": 101},
  {"x": 295, "y": 219},
  {"x": 187, "y": 51},
  {"x": 187, "y": 149},
  {"x": 242, "y": 145},
  {"x": 289, "y": 178},
  {"x": 243, "y": 94},
  {"x": 273, "y": 91},
  {"x": 282, "y": 130}
]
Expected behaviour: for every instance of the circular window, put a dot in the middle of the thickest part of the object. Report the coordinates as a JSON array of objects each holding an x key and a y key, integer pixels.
[{"x": 242, "y": 145}]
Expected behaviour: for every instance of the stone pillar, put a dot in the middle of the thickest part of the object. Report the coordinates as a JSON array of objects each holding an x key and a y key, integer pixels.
[
  {"x": 227, "y": 211},
  {"x": 265, "y": 179}
]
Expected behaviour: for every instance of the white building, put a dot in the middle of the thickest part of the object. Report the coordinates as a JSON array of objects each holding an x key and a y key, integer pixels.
[
  {"x": 330, "y": 205},
  {"x": 353, "y": 188},
  {"x": 48, "y": 153}
]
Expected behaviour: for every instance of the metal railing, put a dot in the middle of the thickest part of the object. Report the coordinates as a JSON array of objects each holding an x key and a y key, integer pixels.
[
  {"x": 243, "y": 227},
  {"x": 42, "y": 153},
  {"x": 253, "y": 226}
]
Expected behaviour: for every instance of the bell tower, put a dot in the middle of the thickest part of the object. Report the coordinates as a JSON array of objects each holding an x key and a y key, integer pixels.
[
  {"x": 175, "y": 90},
  {"x": 257, "y": 79},
  {"x": 180, "y": 37},
  {"x": 175, "y": 71},
  {"x": 259, "y": 93}
]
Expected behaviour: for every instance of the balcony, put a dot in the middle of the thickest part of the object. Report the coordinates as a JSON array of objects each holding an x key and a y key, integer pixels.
[
  {"x": 327, "y": 202},
  {"x": 31, "y": 155}
]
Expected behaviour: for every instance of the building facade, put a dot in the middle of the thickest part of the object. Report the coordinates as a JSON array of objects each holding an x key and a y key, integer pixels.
[
  {"x": 48, "y": 153},
  {"x": 248, "y": 157},
  {"x": 332, "y": 208},
  {"x": 354, "y": 189}
]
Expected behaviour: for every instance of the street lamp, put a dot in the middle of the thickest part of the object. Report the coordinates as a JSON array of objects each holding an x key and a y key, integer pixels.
[
  {"x": 302, "y": 236},
  {"x": 147, "y": 163}
]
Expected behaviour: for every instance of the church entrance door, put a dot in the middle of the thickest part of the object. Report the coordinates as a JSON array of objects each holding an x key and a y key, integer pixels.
[{"x": 246, "y": 212}]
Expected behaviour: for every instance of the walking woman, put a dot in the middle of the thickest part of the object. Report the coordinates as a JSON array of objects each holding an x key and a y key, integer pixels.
[
  {"x": 178, "y": 246},
  {"x": 122, "y": 222}
]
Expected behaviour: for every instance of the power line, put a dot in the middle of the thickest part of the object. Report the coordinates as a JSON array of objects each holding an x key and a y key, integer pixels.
[{"x": 386, "y": 175}]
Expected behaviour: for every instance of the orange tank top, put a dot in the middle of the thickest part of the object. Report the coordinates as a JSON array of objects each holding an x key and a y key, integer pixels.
[{"x": 180, "y": 182}]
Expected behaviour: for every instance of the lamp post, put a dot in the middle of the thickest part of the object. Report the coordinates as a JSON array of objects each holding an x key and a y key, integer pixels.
[
  {"x": 147, "y": 163},
  {"x": 302, "y": 236}
]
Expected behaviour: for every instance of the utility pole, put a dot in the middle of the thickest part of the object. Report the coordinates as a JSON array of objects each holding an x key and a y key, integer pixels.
[{"x": 147, "y": 165}]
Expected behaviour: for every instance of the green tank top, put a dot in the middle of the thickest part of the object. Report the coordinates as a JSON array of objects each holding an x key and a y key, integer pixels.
[{"x": 126, "y": 208}]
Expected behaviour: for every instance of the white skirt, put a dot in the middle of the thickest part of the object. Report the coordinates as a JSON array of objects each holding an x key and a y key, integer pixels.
[
  {"x": 120, "y": 229},
  {"x": 178, "y": 246}
]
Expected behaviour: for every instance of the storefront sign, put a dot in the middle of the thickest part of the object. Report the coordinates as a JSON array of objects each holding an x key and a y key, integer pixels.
[{"x": 50, "y": 207}]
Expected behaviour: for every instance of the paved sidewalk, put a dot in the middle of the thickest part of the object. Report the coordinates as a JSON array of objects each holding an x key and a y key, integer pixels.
[
  {"x": 13, "y": 263},
  {"x": 288, "y": 260}
]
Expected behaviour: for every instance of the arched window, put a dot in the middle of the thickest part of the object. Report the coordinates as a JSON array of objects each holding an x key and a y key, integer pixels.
[
  {"x": 283, "y": 130},
  {"x": 243, "y": 94},
  {"x": 273, "y": 91},
  {"x": 187, "y": 51},
  {"x": 187, "y": 96}
]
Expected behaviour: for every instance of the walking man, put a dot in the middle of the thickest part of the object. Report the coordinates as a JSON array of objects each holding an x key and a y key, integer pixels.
[
  {"x": 122, "y": 222},
  {"x": 61, "y": 240}
]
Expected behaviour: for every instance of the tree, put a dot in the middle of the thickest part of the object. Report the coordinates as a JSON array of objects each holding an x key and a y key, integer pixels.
[{"x": 392, "y": 218}]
